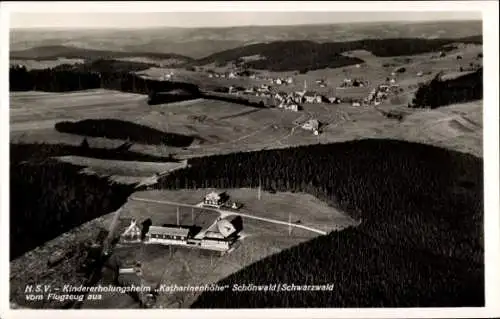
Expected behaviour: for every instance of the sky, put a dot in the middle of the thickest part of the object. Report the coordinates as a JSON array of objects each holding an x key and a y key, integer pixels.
[{"x": 72, "y": 20}]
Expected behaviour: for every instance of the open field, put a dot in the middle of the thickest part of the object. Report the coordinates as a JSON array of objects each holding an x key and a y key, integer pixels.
[
  {"x": 44, "y": 64},
  {"x": 226, "y": 127},
  {"x": 184, "y": 266},
  {"x": 122, "y": 171},
  {"x": 280, "y": 206},
  {"x": 375, "y": 70}
]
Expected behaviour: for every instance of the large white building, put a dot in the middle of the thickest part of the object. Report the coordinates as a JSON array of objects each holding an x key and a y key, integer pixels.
[
  {"x": 167, "y": 235},
  {"x": 219, "y": 237}
]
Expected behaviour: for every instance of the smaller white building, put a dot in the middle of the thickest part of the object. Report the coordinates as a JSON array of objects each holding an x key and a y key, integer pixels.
[
  {"x": 292, "y": 107},
  {"x": 132, "y": 233},
  {"x": 311, "y": 125},
  {"x": 214, "y": 199}
]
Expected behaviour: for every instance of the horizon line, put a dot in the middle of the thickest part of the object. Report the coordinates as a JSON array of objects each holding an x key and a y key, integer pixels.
[{"x": 240, "y": 26}]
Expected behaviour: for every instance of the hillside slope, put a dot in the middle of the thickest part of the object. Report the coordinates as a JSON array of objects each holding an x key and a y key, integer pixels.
[
  {"x": 201, "y": 42},
  {"x": 298, "y": 55},
  {"x": 419, "y": 244},
  {"x": 53, "y": 52}
]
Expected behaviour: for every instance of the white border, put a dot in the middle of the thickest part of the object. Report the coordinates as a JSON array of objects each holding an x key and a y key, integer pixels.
[{"x": 489, "y": 10}]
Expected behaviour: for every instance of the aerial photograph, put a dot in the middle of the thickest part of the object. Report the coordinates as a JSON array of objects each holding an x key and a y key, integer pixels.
[{"x": 225, "y": 160}]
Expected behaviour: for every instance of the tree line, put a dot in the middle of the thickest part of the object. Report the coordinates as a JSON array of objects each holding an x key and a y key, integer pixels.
[
  {"x": 50, "y": 198},
  {"x": 123, "y": 130},
  {"x": 104, "y": 74},
  {"x": 309, "y": 55},
  {"x": 438, "y": 92}
]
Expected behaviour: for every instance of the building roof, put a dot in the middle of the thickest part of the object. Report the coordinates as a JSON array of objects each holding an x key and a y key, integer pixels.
[
  {"x": 173, "y": 231},
  {"x": 311, "y": 123},
  {"x": 310, "y": 94},
  {"x": 213, "y": 234}
]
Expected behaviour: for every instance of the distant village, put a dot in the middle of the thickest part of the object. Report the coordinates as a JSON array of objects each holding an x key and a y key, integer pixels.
[{"x": 293, "y": 100}]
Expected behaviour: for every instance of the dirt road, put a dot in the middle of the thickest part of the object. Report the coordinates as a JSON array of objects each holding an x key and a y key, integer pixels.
[{"x": 225, "y": 213}]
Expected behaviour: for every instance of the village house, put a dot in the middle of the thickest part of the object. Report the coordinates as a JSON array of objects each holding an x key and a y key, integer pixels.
[
  {"x": 333, "y": 100},
  {"x": 250, "y": 91},
  {"x": 312, "y": 97},
  {"x": 292, "y": 107},
  {"x": 289, "y": 80},
  {"x": 280, "y": 96},
  {"x": 132, "y": 233},
  {"x": 311, "y": 125},
  {"x": 383, "y": 88}
]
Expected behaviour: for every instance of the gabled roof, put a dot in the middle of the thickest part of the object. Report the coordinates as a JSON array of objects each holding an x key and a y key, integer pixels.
[{"x": 310, "y": 94}]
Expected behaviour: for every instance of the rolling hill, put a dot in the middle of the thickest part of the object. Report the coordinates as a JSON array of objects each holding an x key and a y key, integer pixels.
[
  {"x": 202, "y": 42},
  {"x": 276, "y": 56},
  {"x": 54, "y": 52}
]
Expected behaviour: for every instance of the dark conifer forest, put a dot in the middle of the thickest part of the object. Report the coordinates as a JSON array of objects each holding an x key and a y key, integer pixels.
[
  {"x": 40, "y": 152},
  {"x": 308, "y": 55},
  {"x": 50, "y": 198},
  {"x": 420, "y": 241},
  {"x": 439, "y": 92},
  {"x": 107, "y": 74}
]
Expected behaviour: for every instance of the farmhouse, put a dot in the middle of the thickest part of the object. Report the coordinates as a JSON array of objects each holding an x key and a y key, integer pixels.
[
  {"x": 292, "y": 107},
  {"x": 215, "y": 199},
  {"x": 311, "y": 125},
  {"x": 312, "y": 97},
  {"x": 132, "y": 233},
  {"x": 334, "y": 99},
  {"x": 280, "y": 96}
]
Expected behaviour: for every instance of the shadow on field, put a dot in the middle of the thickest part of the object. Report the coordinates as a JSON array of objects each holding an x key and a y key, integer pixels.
[
  {"x": 123, "y": 130},
  {"x": 40, "y": 151},
  {"x": 238, "y": 114}
]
